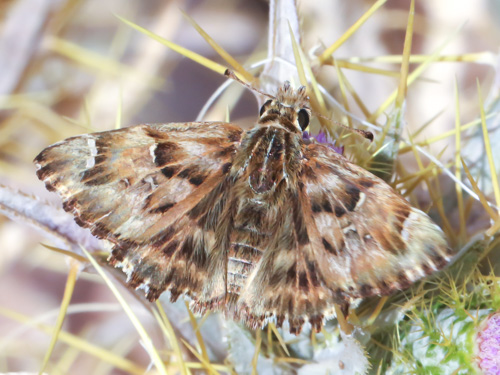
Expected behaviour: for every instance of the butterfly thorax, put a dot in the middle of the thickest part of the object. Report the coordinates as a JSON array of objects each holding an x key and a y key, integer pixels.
[{"x": 265, "y": 169}]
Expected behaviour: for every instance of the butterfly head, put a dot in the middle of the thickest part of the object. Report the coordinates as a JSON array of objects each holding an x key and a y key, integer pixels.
[{"x": 290, "y": 108}]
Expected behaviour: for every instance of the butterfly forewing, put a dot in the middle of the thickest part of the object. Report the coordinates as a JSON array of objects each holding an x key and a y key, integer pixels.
[{"x": 136, "y": 186}]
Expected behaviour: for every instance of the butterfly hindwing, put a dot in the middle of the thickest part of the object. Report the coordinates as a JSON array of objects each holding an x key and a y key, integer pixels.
[
  {"x": 136, "y": 187},
  {"x": 374, "y": 242},
  {"x": 346, "y": 234}
]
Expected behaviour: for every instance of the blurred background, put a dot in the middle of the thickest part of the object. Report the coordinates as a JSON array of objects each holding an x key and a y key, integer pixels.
[{"x": 69, "y": 67}]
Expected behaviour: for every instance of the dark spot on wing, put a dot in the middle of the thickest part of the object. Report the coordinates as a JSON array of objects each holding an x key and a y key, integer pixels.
[
  {"x": 327, "y": 206},
  {"x": 92, "y": 173},
  {"x": 99, "y": 159},
  {"x": 309, "y": 173},
  {"x": 170, "y": 249},
  {"x": 329, "y": 247},
  {"x": 352, "y": 197},
  {"x": 185, "y": 173},
  {"x": 439, "y": 261},
  {"x": 163, "y": 208},
  {"x": 291, "y": 274},
  {"x": 303, "y": 282},
  {"x": 44, "y": 172},
  {"x": 69, "y": 205},
  {"x": 164, "y": 236},
  {"x": 339, "y": 211},
  {"x": 427, "y": 269},
  {"x": 384, "y": 288},
  {"x": 168, "y": 172},
  {"x": 403, "y": 280},
  {"x": 315, "y": 207},
  {"x": 226, "y": 167},
  {"x": 187, "y": 247},
  {"x": 276, "y": 278},
  {"x": 164, "y": 153},
  {"x": 366, "y": 182},
  {"x": 197, "y": 180},
  {"x": 102, "y": 143},
  {"x": 402, "y": 214},
  {"x": 313, "y": 274},
  {"x": 298, "y": 220}
]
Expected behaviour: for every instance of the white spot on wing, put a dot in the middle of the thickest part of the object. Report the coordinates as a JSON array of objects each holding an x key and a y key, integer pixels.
[
  {"x": 152, "y": 150},
  {"x": 151, "y": 182},
  {"x": 362, "y": 198},
  {"x": 90, "y": 162}
]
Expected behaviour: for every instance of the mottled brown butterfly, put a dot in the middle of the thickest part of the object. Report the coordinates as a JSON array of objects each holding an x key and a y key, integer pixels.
[{"x": 259, "y": 224}]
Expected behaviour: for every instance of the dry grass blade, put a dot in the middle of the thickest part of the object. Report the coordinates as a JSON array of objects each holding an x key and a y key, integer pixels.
[
  {"x": 405, "y": 65},
  {"x": 68, "y": 293},
  {"x": 258, "y": 342},
  {"x": 365, "y": 69},
  {"x": 411, "y": 78},
  {"x": 493, "y": 229},
  {"x": 196, "y": 329},
  {"x": 353, "y": 92},
  {"x": 435, "y": 197},
  {"x": 488, "y": 58},
  {"x": 279, "y": 337},
  {"x": 486, "y": 205},
  {"x": 303, "y": 66},
  {"x": 222, "y": 53},
  {"x": 458, "y": 169},
  {"x": 95, "y": 61},
  {"x": 447, "y": 134},
  {"x": 330, "y": 50},
  {"x": 206, "y": 364},
  {"x": 344, "y": 325},
  {"x": 376, "y": 312},
  {"x": 487, "y": 147},
  {"x": 298, "y": 58},
  {"x": 181, "y": 50},
  {"x": 168, "y": 331},
  {"x": 70, "y": 254},
  {"x": 345, "y": 102},
  {"x": 148, "y": 343},
  {"x": 80, "y": 344}
]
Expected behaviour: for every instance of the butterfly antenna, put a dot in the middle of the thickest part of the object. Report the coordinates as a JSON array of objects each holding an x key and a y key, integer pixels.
[
  {"x": 230, "y": 74},
  {"x": 364, "y": 133}
]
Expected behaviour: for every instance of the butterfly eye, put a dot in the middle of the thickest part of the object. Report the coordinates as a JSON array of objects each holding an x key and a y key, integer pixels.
[
  {"x": 264, "y": 107},
  {"x": 303, "y": 119}
]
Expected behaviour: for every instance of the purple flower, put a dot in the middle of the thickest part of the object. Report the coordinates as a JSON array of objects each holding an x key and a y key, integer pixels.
[
  {"x": 324, "y": 139},
  {"x": 488, "y": 345}
]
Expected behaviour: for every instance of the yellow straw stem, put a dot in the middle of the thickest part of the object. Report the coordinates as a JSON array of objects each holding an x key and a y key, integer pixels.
[
  {"x": 175, "y": 47},
  {"x": 330, "y": 50},
  {"x": 148, "y": 343},
  {"x": 68, "y": 293},
  {"x": 222, "y": 53},
  {"x": 258, "y": 342},
  {"x": 405, "y": 65},
  {"x": 487, "y": 146},
  {"x": 458, "y": 166}
]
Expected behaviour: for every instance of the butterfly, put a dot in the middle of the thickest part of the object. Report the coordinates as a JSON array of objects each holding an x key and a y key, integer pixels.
[{"x": 259, "y": 224}]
